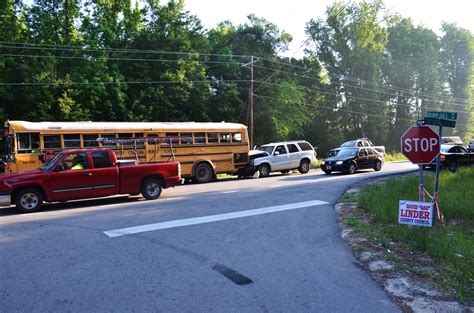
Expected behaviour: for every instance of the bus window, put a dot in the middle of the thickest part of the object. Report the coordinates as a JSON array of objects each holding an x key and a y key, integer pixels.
[
  {"x": 237, "y": 137},
  {"x": 225, "y": 137},
  {"x": 28, "y": 143},
  {"x": 199, "y": 138},
  {"x": 212, "y": 138},
  {"x": 172, "y": 135},
  {"x": 52, "y": 141},
  {"x": 90, "y": 140},
  {"x": 72, "y": 141},
  {"x": 139, "y": 143},
  {"x": 188, "y": 138},
  {"x": 126, "y": 136},
  {"x": 108, "y": 136}
]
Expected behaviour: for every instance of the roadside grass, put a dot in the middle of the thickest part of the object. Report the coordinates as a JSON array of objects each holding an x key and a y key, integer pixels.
[
  {"x": 451, "y": 246},
  {"x": 395, "y": 156}
]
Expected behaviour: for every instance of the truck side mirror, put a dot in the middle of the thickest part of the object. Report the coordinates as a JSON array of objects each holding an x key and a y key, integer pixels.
[{"x": 276, "y": 153}]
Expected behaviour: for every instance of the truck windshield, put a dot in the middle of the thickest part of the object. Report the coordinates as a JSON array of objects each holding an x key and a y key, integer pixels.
[
  {"x": 351, "y": 143},
  {"x": 50, "y": 164}
]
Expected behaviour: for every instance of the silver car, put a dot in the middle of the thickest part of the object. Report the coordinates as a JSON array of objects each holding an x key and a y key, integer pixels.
[{"x": 285, "y": 156}]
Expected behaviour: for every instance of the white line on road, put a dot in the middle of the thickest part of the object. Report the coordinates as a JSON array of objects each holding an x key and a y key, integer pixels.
[
  {"x": 210, "y": 218},
  {"x": 175, "y": 198},
  {"x": 231, "y": 191}
]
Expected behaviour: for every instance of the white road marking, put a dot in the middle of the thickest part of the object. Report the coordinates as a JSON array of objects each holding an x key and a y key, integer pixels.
[
  {"x": 231, "y": 191},
  {"x": 175, "y": 198},
  {"x": 210, "y": 218}
]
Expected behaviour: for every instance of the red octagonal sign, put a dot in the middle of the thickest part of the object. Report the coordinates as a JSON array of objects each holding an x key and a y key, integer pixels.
[{"x": 420, "y": 144}]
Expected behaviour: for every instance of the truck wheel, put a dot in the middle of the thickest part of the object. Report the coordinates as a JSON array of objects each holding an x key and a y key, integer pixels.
[
  {"x": 264, "y": 170},
  {"x": 151, "y": 189},
  {"x": 29, "y": 200},
  {"x": 453, "y": 167},
  {"x": 203, "y": 173},
  {"x": 304, "y": 167}
]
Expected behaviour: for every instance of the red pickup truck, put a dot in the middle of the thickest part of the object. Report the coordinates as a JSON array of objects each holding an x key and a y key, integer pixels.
[{"x": 85, "y": 173}]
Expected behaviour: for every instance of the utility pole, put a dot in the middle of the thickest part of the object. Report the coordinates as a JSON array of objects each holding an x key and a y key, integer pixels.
[{"x": 250, "y": 103}]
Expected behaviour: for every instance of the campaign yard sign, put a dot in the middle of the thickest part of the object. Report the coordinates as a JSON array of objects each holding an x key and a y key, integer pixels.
[{"x": 415, "y": 213}]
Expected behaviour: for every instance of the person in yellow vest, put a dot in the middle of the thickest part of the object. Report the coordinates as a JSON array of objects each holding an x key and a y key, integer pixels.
[{"x": 78, "y": 163}]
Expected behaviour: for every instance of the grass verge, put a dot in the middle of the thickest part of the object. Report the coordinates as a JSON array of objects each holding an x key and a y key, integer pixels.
[
  {"x": 395, "y": 156},
  {"x": 451, "y": 246}
]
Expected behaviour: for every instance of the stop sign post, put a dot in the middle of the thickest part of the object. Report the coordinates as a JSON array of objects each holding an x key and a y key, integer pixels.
[{"x": 420, "y": 144}]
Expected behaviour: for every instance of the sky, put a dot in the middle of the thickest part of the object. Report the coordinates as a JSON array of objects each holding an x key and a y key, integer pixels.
[{"x": 291, "y": 16}]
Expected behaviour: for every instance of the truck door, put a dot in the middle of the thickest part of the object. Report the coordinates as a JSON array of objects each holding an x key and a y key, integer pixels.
[
  {"x": 71, "y": 179},
  {"x": 105, "y": 176}
]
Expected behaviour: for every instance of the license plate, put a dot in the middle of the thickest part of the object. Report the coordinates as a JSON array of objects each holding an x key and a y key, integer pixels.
[{"x": 328, "y": 167}]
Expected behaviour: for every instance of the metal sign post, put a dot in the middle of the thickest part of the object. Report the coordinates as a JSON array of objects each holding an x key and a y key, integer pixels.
[{"x": 446, "y": 119}]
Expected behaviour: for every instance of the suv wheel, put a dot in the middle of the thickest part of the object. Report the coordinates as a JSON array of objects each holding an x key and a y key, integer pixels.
[
  {"x": 304, "y": 167},
  {"x": 264, "y": 170}
]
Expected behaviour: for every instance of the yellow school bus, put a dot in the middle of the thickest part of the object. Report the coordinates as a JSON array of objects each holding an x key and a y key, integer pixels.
[{"x": 203, "y": 149}]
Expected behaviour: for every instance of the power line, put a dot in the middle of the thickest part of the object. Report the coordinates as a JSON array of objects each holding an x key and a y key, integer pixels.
[
  {"x": 349, "y": 86},
  {"x": 118, "y": 82},
  {"x": 345, "y": 110},
  {"x": 358, "y": 80},
  {"x": 86, "y": 58},
  {"x": 9, "y": 44},
  {"x": 82, "y": 49},
  {"x": 351, "y": 97}
]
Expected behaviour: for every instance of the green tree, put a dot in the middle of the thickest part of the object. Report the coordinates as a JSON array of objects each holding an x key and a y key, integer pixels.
[
  {"x": 350, "y": 45},
  {"x": 412, "y": 75},
  {"x": 457, "y": 60}
]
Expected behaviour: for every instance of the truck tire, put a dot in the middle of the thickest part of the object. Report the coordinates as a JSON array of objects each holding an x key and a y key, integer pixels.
[
  {"x": 151, "y": 189},
  {"x": 203, "y": 173},
  {"x": 29, "y": 200}
]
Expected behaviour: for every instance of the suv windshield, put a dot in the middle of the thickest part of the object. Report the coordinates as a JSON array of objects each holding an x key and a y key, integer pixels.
[{"x": 268, "y": 149}]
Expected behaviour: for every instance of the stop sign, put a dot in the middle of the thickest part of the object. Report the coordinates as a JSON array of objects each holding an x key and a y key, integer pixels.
[{"x": 420, "y": 144}]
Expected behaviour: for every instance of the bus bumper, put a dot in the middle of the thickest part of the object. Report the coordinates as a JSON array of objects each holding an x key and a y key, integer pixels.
[{"x": 5, "y": 199}]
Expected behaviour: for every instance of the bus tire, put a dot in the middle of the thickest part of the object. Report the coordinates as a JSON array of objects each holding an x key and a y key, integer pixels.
[
  {"x": 203, "y": 173},
  {"x": 29, "y": 200},
  {"x": 151, "y": 189}
]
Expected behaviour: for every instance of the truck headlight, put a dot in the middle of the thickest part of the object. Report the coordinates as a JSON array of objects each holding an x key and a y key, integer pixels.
[{"x": 339, "y": 162}]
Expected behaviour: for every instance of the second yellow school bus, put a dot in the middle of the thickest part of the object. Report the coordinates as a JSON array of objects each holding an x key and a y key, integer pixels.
[{"x": 203, "y": 149}]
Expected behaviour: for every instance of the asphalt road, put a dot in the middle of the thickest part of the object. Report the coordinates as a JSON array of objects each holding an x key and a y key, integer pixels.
[{"x": 254, "y": 245}]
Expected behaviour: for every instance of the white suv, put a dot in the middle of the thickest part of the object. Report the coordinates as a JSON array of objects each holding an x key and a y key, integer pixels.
[{"x": 283, "y": 157}]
